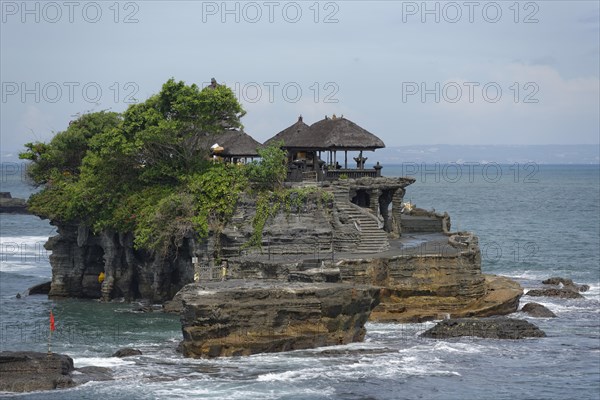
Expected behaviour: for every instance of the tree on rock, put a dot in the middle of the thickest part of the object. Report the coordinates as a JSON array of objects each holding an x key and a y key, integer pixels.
[
  {"x": 131, "y": 172},
  {"x": 65, "y": 152}
]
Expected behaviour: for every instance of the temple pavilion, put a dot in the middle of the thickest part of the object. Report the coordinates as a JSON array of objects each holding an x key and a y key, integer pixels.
[
  {"x": 235, "y": 146},
  {"x": 320, "y": 151}
]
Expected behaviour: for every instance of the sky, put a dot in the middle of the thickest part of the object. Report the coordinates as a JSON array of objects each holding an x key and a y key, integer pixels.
[{"x": 413, "y": 73}]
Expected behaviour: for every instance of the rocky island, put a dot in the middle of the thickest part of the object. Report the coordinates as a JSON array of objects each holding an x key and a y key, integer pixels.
[
  {"x": 146, "y": 208},
  {"x": 11, "y": 205}
]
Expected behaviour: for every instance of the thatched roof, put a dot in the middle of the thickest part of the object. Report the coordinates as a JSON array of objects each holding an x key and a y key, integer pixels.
[
  {"x": 291, "y": 136},
  {"x": 341, "y": 133},
  {"x": 237, "y": 144},
  {"x": 328, "y": 134}
]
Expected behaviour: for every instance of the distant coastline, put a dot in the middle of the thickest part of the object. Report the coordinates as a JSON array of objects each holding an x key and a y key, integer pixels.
[
  {"x": 552, "y": 154},
  {"x": 576, "y": 154}
]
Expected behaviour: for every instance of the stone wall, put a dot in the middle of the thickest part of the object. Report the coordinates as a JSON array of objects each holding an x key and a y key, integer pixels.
[
  {"x": 305, "y": 230},
  {"x": 424, "y": 221}
]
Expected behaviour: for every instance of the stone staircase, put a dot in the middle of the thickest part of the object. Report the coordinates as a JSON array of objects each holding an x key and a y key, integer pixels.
[
  {"x": 372, "y": 238},
  {"x": 309, "y": 179}
]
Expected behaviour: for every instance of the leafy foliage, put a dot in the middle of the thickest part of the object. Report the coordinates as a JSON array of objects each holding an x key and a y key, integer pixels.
[
  {"x": 216, "y": 193},
  {"x": 145, "y": 171},
  {"x": 66, "y": 150},
  {"x": 164, "y": 224},
  {"x": 270, "y": 172}
]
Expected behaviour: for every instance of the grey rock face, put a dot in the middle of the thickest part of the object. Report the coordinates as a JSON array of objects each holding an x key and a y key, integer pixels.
[
  {"x": 492, "y": 328},
  {"x": 42, "y": 288},
  {"x": 566, "y": 284},
  {"x": 537, "y": 310},
  {"x": 560, "y": 293},
  {"x": 78, "y": 257},
  {"x": 127, "y": 352},
  {"x": 26, "y": 371}
]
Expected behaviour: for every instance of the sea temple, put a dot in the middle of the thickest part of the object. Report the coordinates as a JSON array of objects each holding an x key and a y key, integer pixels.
[{"x": 346, "y": 249}]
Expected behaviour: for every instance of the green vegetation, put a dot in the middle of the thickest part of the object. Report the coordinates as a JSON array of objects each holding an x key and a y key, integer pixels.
[
  {"x": 270, "y": 203},
  {"x": 148, "y": 171},
  {"x": 64, "y": 154},
  {"x": 270, "y": 172}
]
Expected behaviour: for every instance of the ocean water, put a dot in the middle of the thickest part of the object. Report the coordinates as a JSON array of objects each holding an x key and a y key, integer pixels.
[{"x": 533, "y": 222}]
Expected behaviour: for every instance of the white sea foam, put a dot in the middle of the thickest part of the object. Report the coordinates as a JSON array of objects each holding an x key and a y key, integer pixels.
[
  {"x": 529, "y": 275},
  {"x": 23, "y": 239},
  {"x": 365, "y": 367},
  {"x": 23, "y": 253},
  {"x": 6, "y": 266},
  {"x": 287, "y": 376},
  {"x": 188, "y": 389},
  {"x": 441, "y": 347},
  {"x": 559, "y": 308},
  {"x": 101, "y": 362},
  {"x": 41, "y": 269},
  {"x": 593, "y": 291}
]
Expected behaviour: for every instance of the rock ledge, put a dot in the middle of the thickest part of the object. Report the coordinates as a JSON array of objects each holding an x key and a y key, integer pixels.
[
  {"x": 26, "y": 371},
  {"x": 240, "y": 317},
  {"x": 491, "y": 328}
]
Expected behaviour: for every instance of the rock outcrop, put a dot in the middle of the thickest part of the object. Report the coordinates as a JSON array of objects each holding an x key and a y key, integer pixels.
[
  {"x": 491, "y": 328},
  {"x": 42, "y": 288},
  {"x": 303, "y": 230},
  {"x": 537, "y": 310},
  {"x": 29, "y": 371},
  {"x": 127, "y": 352},
  {"x": 552, "y": 292},
  {"x": 26, "y": 371},
  {"x": 442, "y": 278},
  {"x": 563, "y": 288},
  {"x": 343, "y": 232},
  {"x": 78, "y": 257},
  {"x": 11, "y": 205},
  {"x": 566, "y": 283},
  {"x": 247, "y": 317}
]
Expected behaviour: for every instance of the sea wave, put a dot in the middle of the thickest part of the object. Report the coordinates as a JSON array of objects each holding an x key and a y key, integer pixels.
[
  {"x": 100, "y": 362},
  {"x": 365, "y": 367}
]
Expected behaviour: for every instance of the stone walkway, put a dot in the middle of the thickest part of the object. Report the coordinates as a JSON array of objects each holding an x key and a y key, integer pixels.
[{"x": 413, "y": 244}]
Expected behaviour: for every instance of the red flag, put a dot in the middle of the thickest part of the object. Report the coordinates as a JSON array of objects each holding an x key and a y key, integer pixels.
[{"x": 52, "y": 328}]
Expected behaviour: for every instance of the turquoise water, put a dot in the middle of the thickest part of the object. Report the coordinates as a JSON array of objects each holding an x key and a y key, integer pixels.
[{"x": 543, "y": 221}]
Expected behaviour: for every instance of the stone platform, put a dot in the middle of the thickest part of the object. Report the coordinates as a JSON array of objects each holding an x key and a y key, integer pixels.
[{"x": 423, "y": 276}]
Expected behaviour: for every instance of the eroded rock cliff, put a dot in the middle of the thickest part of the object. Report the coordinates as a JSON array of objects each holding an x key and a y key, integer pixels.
[
  {"x": 78, "y": 257},
  {"x": 248, "y": 317},
  {"x": 423, "y": 275}
]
